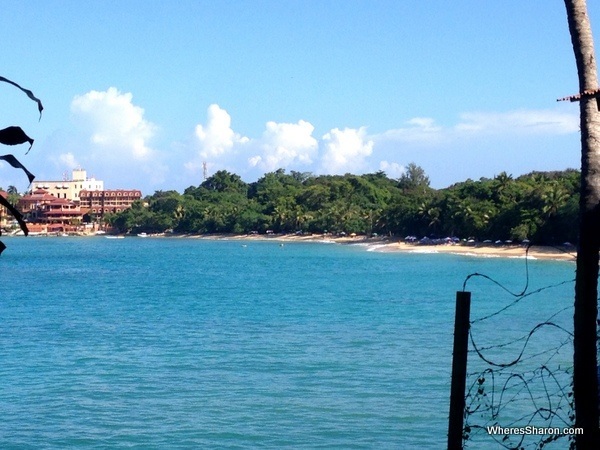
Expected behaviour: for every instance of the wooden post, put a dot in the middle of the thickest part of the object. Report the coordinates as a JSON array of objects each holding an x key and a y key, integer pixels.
[{"x": 459, "y": 370}]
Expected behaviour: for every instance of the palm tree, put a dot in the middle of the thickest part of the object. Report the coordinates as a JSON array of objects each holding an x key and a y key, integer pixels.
[
  {"x": 281, "y": 216},
  {"x": 466, "y": 216},
  {"x": 585, "y": 359},
  {"x": 13, "y": 195},
  {"x": 431, "y": 214},
  {"x": 554, "y": 198},
  {"x": 502, "y": 182},
  {"x": 302, "y": 219}
]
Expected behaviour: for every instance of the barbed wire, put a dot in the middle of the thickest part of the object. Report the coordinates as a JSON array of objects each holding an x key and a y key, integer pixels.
[
  {"x": 531, "y": 391},
  {"x": 518, "y": 358}
]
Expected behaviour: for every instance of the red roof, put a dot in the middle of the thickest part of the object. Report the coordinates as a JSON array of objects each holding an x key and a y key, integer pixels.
[{"x": 38, "y": 195}]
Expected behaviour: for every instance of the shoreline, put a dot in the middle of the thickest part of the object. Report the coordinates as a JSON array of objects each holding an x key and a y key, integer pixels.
[
  {"x": 385, "y": 244},
  {"x": 378, "y": 244}
]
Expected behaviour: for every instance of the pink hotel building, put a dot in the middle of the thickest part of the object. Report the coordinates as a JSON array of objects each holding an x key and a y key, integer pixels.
[{"x": 62, "y": 204}]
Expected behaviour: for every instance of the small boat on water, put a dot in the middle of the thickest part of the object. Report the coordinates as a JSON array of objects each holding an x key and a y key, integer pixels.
[{"x": 142, "y": 235}]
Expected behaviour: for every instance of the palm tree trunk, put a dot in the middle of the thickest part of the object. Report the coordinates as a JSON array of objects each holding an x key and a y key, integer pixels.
[{"x": 585, "y": 375}]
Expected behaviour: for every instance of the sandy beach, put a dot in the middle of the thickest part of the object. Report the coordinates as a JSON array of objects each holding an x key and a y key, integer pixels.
[
  {"x": 561, "y": 253},
  {"x": 534, "y": 252}
]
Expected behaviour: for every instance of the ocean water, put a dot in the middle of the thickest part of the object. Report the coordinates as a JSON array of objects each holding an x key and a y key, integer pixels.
[{"x": 193, "y": 343}]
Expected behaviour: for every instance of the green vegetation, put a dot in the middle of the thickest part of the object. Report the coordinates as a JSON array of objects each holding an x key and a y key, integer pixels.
[{"x": 540, "y": 206}]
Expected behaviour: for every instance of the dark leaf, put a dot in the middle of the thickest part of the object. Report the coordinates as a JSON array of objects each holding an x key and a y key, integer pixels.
[
  {"x": 15, "y": 213},
  {"x": 17, "y": 165},
  {"x": 26, "y": 91},
  {"x": 14, "y": 136}
]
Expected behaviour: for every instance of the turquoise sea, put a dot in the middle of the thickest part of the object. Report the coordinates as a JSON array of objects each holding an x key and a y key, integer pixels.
[{"x": 194, "y": 343}]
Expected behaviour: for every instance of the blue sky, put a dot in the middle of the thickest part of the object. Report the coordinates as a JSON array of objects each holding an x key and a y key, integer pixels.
[{"x": 141, "y": 93}]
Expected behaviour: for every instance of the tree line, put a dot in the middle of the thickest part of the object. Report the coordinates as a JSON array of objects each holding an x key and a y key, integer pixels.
[{"x": 539, "y": 206}]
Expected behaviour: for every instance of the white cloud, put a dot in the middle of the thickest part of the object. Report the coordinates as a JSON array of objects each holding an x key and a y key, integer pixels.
[
  {"x": 216, "y": 144},
  {"x": 113, "y": 140},
  {"x": 519, "y": 122},
  {"x": 423, "y": 131},
  {"x": 392, "y": 170},
  {"x": 283, "y": 144},
  {"x": 425, "y": 123},
  {"x": 345, "y": 150},
  {"x": 341, "y": 150},
  {"x": 216, "y": 137},
  {"x": 254, "y": 160},
  {"x": 420, "y": 130},
  {"x": 484, "y": 143},
  {"x": 114, "y": 122},
  {"x": 68, "y": 160}
]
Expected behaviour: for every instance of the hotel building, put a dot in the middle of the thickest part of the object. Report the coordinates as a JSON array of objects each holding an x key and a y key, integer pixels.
[
  {"x": 111, "y": 201},
  {"x": 69, "y": 189},
  {"x": 62, "y": 204}
]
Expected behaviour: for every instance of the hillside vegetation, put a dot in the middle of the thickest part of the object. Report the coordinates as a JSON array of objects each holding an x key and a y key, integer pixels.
[{"x": 540, "y": 206}]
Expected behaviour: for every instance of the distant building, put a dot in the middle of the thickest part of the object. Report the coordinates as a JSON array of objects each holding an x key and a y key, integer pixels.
[
  {"x": 30, "y": 204},
  {"x": 69, "y": 189},
  {"x": 3, "y": 211},
  {"x": 61, "y": 215},
  {"x": 61, "y": 205},
  {"x": 110, "y": 201},
  {"x": 57, "y": 214}
]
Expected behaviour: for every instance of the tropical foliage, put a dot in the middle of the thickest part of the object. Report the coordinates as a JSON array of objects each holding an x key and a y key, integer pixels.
[
  {"x": 14, "y": 135},
  {"x": 540, "y": 206}
]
